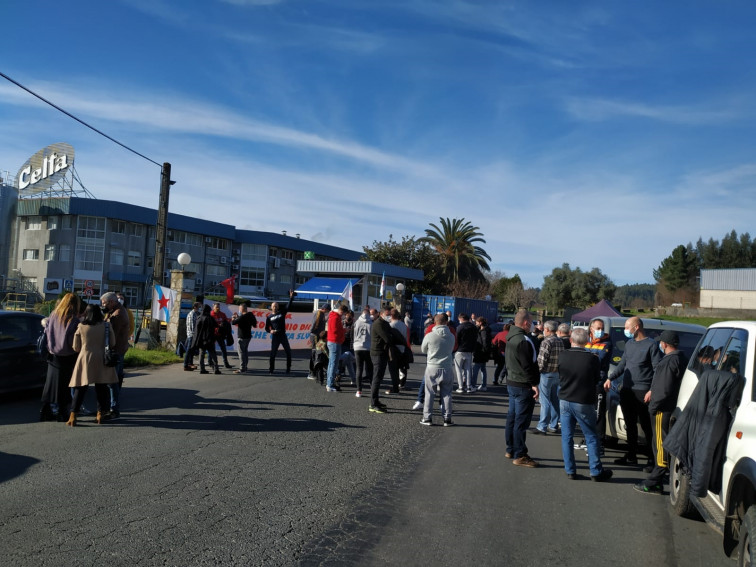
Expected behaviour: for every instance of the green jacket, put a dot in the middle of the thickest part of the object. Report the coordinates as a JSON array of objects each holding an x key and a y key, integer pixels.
[{"x": 521, "y": 359}]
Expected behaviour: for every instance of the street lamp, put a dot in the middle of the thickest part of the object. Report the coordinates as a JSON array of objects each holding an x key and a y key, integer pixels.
[
  {"x": 400, "y": 293},
  {"x": 184, "y": 259}
]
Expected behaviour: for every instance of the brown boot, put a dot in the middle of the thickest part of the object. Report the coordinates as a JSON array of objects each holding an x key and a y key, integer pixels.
[
  {"x": 72, "y": 419},
  {"x": 98, "y": 419}
]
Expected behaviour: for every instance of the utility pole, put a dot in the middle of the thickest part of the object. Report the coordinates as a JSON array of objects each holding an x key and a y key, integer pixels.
[{"x": 161, "y": 229}]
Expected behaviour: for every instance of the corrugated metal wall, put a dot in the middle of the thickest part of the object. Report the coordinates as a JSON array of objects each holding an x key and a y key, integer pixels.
[{"x": 741, "y": 279}]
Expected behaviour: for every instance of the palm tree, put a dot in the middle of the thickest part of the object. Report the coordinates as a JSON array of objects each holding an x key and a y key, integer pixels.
[{"x": 455, "y": 243}]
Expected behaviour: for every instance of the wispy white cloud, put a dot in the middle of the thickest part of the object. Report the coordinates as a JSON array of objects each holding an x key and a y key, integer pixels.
[
  {"x": 598, "y": 109},
  {"x": 171, "y": 114}
]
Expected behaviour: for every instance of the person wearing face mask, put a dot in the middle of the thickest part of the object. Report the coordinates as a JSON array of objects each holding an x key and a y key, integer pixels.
[
  {"x": 662, "y": 400},
  {"x": 600, "y": 345},
  {"x": 636, "y": 370}
]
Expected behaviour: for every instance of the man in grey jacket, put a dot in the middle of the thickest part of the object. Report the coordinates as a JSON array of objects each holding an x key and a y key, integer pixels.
[
  {"x": 439, "y": 372},
  {"x": 636, "y": 370}
]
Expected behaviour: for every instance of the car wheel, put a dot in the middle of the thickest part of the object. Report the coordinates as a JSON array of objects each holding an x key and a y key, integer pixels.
[
  {"x": 679, "y": 489},
  {"x": 745, "y": 555}
]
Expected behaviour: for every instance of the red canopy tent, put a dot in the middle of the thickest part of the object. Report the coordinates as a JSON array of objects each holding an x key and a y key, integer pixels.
[{"x": 601, "y": 309}]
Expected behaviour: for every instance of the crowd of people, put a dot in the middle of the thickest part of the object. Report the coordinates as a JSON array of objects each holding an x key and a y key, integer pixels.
[
  {"x": 566, "y": 370},
  {"x": 76, "y": 337}
]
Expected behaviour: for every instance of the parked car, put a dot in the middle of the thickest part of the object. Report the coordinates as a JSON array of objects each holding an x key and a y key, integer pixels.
[
  {"x": 689, "y": 337},
  {"x": 21, "y": 365},
  {"x": 729, "y": 505}
]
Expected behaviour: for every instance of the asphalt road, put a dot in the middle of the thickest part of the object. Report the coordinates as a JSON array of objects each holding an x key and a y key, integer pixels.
[{"x": 272, "y": 470}]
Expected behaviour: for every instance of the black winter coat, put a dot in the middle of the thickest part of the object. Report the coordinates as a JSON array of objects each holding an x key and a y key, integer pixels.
[
  {"x": 699, "y": 438},
  {"x": 204, "y": 335}
]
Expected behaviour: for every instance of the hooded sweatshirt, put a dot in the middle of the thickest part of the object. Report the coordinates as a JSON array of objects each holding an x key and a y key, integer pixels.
[
  {"x": 362, "y": 327},
  {"x": 439, "y": 346}
]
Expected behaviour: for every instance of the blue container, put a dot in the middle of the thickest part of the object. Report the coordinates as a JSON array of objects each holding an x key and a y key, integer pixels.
[{"x": 434, "y": 304}]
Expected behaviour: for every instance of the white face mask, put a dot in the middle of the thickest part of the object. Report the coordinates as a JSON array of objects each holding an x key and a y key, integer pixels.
[{"x": 120, "y": 301}]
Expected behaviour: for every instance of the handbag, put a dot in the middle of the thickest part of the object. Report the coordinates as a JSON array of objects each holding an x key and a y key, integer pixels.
[{"x": 111, "y": 358}]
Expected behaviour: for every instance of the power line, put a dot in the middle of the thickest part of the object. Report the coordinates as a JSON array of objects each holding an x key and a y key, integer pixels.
[{"x": 80, "y": 121}]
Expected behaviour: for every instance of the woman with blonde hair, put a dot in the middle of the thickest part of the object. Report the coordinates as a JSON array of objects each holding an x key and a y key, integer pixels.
[
  {"x": 89, "y": 341},
  {"x": 59, "y": 332}
]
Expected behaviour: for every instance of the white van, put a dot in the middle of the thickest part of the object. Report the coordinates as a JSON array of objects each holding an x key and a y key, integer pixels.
[{"x": 729, "y": 506}]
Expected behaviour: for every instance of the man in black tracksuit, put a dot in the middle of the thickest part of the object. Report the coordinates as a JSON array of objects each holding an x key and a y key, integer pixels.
[
  {"x": 275, "y": 324},
  {"x": 662, "y": 400}
]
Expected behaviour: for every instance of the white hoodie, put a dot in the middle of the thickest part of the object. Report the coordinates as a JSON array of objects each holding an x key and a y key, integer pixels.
[{"x": 439, "y": 346}]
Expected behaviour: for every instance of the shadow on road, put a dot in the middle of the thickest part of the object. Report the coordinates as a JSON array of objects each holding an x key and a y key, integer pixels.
[{"x": 14, "y": 465}]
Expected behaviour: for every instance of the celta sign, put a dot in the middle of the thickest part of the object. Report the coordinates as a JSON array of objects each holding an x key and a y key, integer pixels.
[{"x": 45, "y": 168}]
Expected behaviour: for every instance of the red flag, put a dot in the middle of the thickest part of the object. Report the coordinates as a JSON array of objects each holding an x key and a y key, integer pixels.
[{"x": 229, "y": 284}]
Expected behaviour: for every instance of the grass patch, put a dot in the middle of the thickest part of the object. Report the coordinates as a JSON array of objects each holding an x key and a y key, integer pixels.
[{"x": 156, "y": 357}]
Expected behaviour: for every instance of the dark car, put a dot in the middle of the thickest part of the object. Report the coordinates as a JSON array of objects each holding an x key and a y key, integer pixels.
[{"x": 22, "y": 366}]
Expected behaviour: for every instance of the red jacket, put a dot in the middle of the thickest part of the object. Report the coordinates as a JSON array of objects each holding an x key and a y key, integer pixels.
[{"x": 335, "y": 328}]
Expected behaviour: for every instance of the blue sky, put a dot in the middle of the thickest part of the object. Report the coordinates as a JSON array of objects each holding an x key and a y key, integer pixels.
[{"x": 602, "y": 134}]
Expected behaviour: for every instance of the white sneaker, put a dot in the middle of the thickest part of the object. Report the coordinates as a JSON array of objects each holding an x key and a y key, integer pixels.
[
  {"x": 417, "y": 406},
  {"x": 311, "y": 377},
  {"x": 459, "y": 391},
  {"x": 482, "y": 389},
  {"x": 358, "y": 394}
]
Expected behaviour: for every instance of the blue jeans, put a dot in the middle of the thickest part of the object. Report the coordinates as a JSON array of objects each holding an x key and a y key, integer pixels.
[
  {"x": 521, "y": 404},
  {"x": 549, "y": 398},
  {"x": 189, "y": 353},
  {"x": 585, "y": 416},
  {"x": 334, "y": 352},
  {"x": 479, "y": 367}
]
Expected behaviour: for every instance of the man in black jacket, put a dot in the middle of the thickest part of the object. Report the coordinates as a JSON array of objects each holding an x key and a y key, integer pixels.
[
  {"x": 467, "y": 340},
  {"x": 522, "y": 386},
  {"x": 579, "y": 373},
  {"x": 661, "y": 400},
  {"x": 244, "y": 321},
  {"x": 275, "y": 324},
  {"x": 382, "y": 348}
]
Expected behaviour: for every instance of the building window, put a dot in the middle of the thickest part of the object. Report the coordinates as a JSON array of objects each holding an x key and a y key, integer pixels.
[
  {"x": 252, "y": 277},
  {"x": 137, "y": 230},
  {"x": 91, "y": 227},
  {"x": 135, "y": 259},
  {"x": 119, "y": 227},
  {"x": 272, "y": 277},
  {"x": 50, "y": 252},
  {"x": 31, "y": 254},
  {"x": 66, "y": 222},
  {"x": 90, "y": 244},
  {"x": 34, "y": 223},
  {"x": 116, "y": 257},
  {"x": 52, "y": 222},
  {"x": 284, "y": 279},
  {"x": 89, "y": 256},
  {"x": 131, "y": 293},
  {"x": 151, "y": 232},
  {"x": 220, "y": 271},
  {"x": 217, "y": 243},
  {"x": 254, "y": 253},
  {"x": 64, "y": 254}
]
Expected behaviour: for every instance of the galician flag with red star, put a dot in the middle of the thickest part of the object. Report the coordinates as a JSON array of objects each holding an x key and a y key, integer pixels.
[{"x": 162, "y": 301}]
